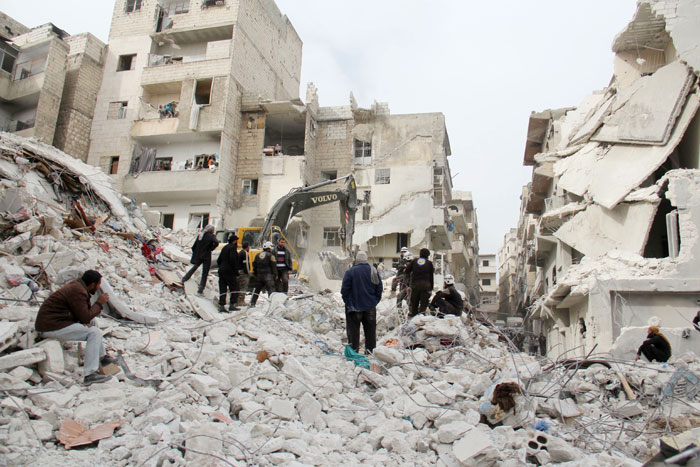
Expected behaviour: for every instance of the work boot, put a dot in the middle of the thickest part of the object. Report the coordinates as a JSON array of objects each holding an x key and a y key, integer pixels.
[
  {"x": 107, "y": 359},
  {"x": 96, "y": 378},
  {"x": 233, "y": 308}
]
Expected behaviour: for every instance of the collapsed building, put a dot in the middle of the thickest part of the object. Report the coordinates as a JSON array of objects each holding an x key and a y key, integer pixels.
[{"x": 608, "y": 235}]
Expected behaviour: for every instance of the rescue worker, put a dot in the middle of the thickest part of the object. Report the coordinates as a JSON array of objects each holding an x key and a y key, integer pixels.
[
  {"x": 400, "y": 270},
  {"x": 243, "y": 273},
  {"x": 284, "y": 265},
  {"x": 205, "y": 243},
  {"x": 228, "y": 270},
  {"x": 264, "y": 272},
  {"x": 67, "y": 315},
  {"x": 404, "y": 286},
  {"x": 448, "y": 301},
  {"x": 361, "y": 291},
  {"x": 655, "y": 347},
  {"x": 420, "y": 272}
]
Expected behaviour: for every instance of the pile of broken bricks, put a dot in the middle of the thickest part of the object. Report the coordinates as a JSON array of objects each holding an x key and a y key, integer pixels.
[{"x": 270, "y": 385}]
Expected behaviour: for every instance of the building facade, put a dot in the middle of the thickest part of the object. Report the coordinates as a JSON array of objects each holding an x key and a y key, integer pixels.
[
  {"x": 507, "y": 265},
  {"x": 488, "y": 280}
]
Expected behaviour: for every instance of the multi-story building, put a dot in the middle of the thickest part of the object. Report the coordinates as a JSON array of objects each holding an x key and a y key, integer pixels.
[
  {"x": 48, "y": 84},
  {"x": 614, "y": 196},
  {"x": 178, "y": 74},
  {"x": 464, "y": 256},
  {"x": 488, "y": 269},
  {"x": 507, "y": 263}
]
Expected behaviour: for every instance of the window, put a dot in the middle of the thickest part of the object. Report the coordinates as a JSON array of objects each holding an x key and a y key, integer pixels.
[
  {"x": 132, "y": 5},
  {"x": 163, "y": 163},
  {"x": 117, "y": 110},
  {"x": 382, "y": 176},
  {"x": 168, "y": 221},
  {"x": 363, "y": 152},
  {"x": 329, "y": 175},
  {"x": 401, "y": 241},
  {"x": 198, "y": 220},
  {"x": 485, "y": 263},
  {"x": 8, "y": 55},
  {"x": 438, "y": 178},
  {"x": 175, "y": 7},
  {"x": 331, "y": 236},
  {"x": 250, "y": 186},
  {"x": 113, "y": 165},
  {"x": 126, "y": 62},
  {"x": 202, "y": 91},
  {"x": 485, "y": 281}
]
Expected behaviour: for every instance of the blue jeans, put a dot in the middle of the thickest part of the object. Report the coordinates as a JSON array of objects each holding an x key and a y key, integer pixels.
[{"x": 94, "y": 350}]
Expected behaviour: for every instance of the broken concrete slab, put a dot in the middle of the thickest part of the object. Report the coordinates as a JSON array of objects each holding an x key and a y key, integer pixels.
[
  {"x": 22, "y": 358},
  {"x": 470, "y": 445},
  {"x": 9, "y": 334},
  {"x": 54, "y": 361},
  {"x": 309, "y": 408}
]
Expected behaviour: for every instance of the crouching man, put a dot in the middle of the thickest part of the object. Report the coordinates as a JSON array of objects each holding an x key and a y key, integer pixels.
[
  {"x": 67, "y": 315},
  {"x": 448, "y": 301}
]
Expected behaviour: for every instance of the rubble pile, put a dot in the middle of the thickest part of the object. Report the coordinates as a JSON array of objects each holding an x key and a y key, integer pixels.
[{"x": 275, "y": 384}]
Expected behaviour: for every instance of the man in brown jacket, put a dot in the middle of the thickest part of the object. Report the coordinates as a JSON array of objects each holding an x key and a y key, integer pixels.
[{"x": 67, "y": 315}]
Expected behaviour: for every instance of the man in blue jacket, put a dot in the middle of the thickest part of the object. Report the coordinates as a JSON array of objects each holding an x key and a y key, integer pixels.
[{"x": 361, "y": 291}]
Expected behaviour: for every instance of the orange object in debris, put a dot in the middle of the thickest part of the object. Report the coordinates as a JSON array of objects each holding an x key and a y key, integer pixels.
[
  {"x": 263, "y": 355},
  {"x": 222, "y": 418},
  {"x": 391, "y": 342},
  {"x": 73, "y": 434}
]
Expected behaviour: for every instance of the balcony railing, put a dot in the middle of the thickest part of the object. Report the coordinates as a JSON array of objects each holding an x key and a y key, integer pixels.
[
  {"x": 29, "y": 68},
  {"x": 162, "y": 60}
]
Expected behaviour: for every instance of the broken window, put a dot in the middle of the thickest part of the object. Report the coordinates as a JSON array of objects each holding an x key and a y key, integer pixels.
[
  {"x": 329, "y": 175},
  {"x": 198, "y": 220},
  {"x": 113, "y": 165},
  {"x": 250, "y": 186},
  {"x": 401, "y": 241},
  {"x": 168, "y": 221},
  {"x": 126, "y": 62},
  {"x": 163, "y": 163},
  {"x": 363, "y": 152},
  {"x": 663, "y": 239},
  {"x": 382, "y": 176},
  {"x": 132, "y": 5},
  {"x": 175, "y": 7},
  {"x": 285, "y": 134},
  {"x": 117, "y": 110},
  {"x": 202, "y": 91},
  {"x": 8, "y": 55},
  {"x": 331, "y": 236}
]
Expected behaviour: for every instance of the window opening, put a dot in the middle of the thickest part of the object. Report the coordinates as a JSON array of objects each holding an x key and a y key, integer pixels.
[
  {"x": 485, "y": 263},
  {"x": 382, "y": 176},
  {"x": 329, "y": 175},
  {"x": 113, "y": 165},
  {"x": 438, "y": 177},
  {"x": 163, "y": 163},
  {"x": 8, "y": 55},
  {"x": 664, "y": 239},
  {"x": 331, "y": 236},
  {"x": 485, "y": 281},
  {"x": 202, "y": 93},
  {"x": 401, "y": 241},
  {"x": 168, "y": 221},
  {"x": 132, "y": 5},
  {"x": 284, "y": 135},
  {"x": 198, "y": 220},
  {"x": 250, "y": 186},
  {"x": 126, "y": 62},
  {"x": 363, "y": 152},
  {"x": 117, "y": 110}
]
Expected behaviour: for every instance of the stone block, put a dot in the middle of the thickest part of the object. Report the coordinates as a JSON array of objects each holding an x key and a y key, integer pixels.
[
  {"x": 204, "y": 385},
  {"x": 388, "y": 355},
  {"x": 450, "y": 432},
  {"x": 30, "y": 225},
  {"x": 22, "y": 373},
  {"x": 22, "y": 358},
  {"x": 54, "y": 362},
  {"x": 309, "y": 408},
  {"x": 473, "y": 443},
  {"x": 295, "y": 369},
  {"x": 282, "y": 409},
  {"x": 21, "y": 292},
  {"x": 46, "y": 400},
  {"x": 8, "y": 334},
  {"x": 204, "y": 438}
]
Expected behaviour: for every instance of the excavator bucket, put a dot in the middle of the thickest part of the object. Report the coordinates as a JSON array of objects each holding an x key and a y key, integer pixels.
[{"x": 334, "y": 266}]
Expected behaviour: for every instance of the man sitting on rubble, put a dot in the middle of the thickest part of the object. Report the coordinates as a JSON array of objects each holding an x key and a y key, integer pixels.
[
  {"x": 655, "y": 347},
  {"x": 361, "y": 291},
  {"x": 67, "y": 315},
  {"x": 448, "y": 301}
]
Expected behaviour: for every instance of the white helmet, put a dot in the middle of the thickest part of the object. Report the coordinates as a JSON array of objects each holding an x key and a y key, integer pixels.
[
  {"x": 449, "y": 279},
  {"x": 267, "y": 246},
  {"x": 404, "y": 249},
  {"x": 408, "y": 256}
]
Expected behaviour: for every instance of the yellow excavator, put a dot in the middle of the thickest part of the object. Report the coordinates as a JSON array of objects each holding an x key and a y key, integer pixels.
[{"x": 291, "y": 204}]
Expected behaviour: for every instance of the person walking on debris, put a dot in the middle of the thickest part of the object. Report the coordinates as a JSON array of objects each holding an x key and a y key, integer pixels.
[
  {"x": 420, "y": 273},
  {"x": 361, "y": 291},
  {"x": 205, "y": 243},
  {"x": 265, "y": 272},
  {"x": 448, "y": 301},
  {"x": 543, "y": 344},
  {"x": 696, "y": 321},
  {"x": 228, "y": 270},
  {"x": 404, "y": 286},
  {"x": 243, "y": 273},
  {"x": 655, "y": 347},
  {"x": 400, "y": 270},
  {"x": 67, "y": 315},
  {"x": 284, "y": 265}
]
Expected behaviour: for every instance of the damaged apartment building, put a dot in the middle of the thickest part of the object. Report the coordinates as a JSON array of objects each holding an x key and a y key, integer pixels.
[
  {"x": 199, "y": 117},
  {"x": 48, "y": 84},
  {"x": 608, "y": 240}
]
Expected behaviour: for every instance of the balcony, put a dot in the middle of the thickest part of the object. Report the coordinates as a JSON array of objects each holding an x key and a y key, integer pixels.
[
  {"x": 180, "y": 183},
  {"x": 166, "y": 79},
  {"x": 463, "y": 252},
  {"x": 440, "y": 235}
]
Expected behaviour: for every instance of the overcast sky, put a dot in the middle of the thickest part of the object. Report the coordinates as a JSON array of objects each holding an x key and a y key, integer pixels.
[{"x": 485, "y": 65}]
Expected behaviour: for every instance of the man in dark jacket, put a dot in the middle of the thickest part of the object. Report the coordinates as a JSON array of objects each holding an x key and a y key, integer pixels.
[
  {"x": 67, "y": 315},
  {"x": 205, "y": 243},
  {"x": 420, "y": 271},
  {"x": 228, "y": 270},
  {"x": 448, "y": 301},
  {"x": 655, "y": 347},
  {"x": 361, "y": 290},
  {"x": 400, "y": 270},
  {"x": 404, "y": 288},
  {"x": 243, "y": 272},
  {"x": 284, "y": 265},
  {"x": 265, "y": 272}
]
